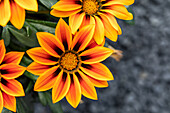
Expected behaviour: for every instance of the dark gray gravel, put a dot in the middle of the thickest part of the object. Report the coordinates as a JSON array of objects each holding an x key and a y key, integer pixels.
[{"x": 142, "y": 77}]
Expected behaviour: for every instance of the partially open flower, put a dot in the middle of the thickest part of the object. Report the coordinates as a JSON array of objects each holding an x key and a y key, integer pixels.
[
  {"x": 117, "y": 54},
  {"x": 9, "y": 70},
  {"x": 101, "y": 13},
  {"x": 69, "y": 64},
  {"x": 14, "y": 11}
]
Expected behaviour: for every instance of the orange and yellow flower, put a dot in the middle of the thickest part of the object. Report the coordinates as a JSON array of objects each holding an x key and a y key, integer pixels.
[
  {"x": 102, "y": 13},
  {"x": 69, "y": 64},
  {"x": 14, "y": 11},
  {"x": 9, "y": 70}
]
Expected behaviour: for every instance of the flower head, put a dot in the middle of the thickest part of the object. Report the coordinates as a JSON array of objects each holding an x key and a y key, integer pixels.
[
  {"x": 9, "y": 70},
  {"x": 14, "y": 11},
  {"x": 101, "y": 13},
  {"x": 69, "y": 64}
]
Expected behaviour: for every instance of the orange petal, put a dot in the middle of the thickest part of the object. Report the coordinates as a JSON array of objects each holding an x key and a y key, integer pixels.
[
  {"x": 98, "y": 71},
  {"x": 91, "y": 44},
  {"x": 98, "y": 83},
  {"x": 11, "y": 71},
  {"x": 87, "y": 20},
  {"x": 99, "y": 31},
  {"x": 5, "y": 12},
  {"x": 2, "y": 50},
  {"x": 1, "y": 102},
  {"x": 39, "y": 55},
  {"x": 63, "y": 33},
  {"x": 95, "y": 55},
  {"x": 58, "y": 13},
  {"x": 119, "y": 11},
  {"x": 82, "y": 38},
  {"x": 74, "y": 94},
  {"x": 66, "y": 5},
  {"x": 13, "y": 57},
  {"x": 110, "y": 31},
  {"x": 122, "y": 2},
  {"x": 75, "y": 21},
  {"x": 38, "y": 69},
  {"x": 50, "y": 43},
  {"x": 113, "y": 22},
  {"x": 61, "y": 87},
  {"x": 47, "y": 79},
  {"x": 17, "y": 15},
  {"x": 87, "y": 88},
  {"x": 9, "y": 102},
  {"x": 12, "y": 87},
  {"x": 31, "y": 5}
]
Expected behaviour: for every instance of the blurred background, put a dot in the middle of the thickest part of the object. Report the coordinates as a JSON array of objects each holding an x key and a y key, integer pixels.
[{"x": 142, "y": 77}]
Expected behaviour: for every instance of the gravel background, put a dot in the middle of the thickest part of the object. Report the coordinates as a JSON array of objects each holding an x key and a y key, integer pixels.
[{"x": 142, "y": 77}]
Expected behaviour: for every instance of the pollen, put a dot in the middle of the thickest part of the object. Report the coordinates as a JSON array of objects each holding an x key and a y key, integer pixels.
[
  {"x": 69, "y": 61},
  {"x": 90, "y": 6}
]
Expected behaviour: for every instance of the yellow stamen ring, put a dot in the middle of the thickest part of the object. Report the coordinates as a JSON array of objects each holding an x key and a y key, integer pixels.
[
  {"x": 90, "y": 6},
  {"x": 69, "y": 61}
]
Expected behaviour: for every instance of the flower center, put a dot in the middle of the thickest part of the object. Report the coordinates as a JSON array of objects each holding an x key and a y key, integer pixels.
[
  {"x": 90, "y": 6},
  {"x": 69, "y": 61}
]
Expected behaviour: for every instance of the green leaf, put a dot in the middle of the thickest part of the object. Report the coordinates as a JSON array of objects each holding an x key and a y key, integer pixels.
[
  {"x": 29, "y": 87},
  {"x": 25, "y": 36},
  {"x": 42, "y": 98},
  {"x": 20, "y": 106},
  {"x": 55, "y": 108},
  {"x": 30, "y": 75},
  {"x": 43, "y": 25},
  {"x": 48, "y": 3},
  {"x": 26, "y": 60},
  {"x": 6, "y": 35}
]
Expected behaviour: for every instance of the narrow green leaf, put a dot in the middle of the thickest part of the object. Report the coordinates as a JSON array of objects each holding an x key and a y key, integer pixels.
[
  {"x": 29, "y": 87},
  {"x": 20, "y": 106},
  {"x": 43, "y": 25},
  {"x": 42, "y": 98},
  {"x": 30, "y": 75},
  {"x": 6, "y": 35},
  {"x": 26, "y": 60},
  {"x": 22, "y": 36},
  {"x": 55, "y": 108},
  {"x": 48, "y": 3}
]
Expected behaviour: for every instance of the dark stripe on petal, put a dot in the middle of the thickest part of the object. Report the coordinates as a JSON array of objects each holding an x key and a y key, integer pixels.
[
  {"x": 78, "y": 2},
  {"x": 57, "y": 72},
  {"x": 77, "y": 46},
  {"x": 78, "y": 76},
  {"x": 58, "y": 50},
  {"x": 71, "y": 77},
  {"x": 64, "y": 76},
  {"x": 53, "y": 58},
  {"x": 86, "y": 66},
  {"x": 3, "y": 81},
  {"x": 83, "y": 58}
]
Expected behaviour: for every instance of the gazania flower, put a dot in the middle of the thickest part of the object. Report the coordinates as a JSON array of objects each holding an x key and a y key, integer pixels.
[
  {"x": 69, "y": 64},
  {"x": 14, "y": 11},
  {"x": 102, "y": 13},
  {"x": 9, "y": 70}
]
